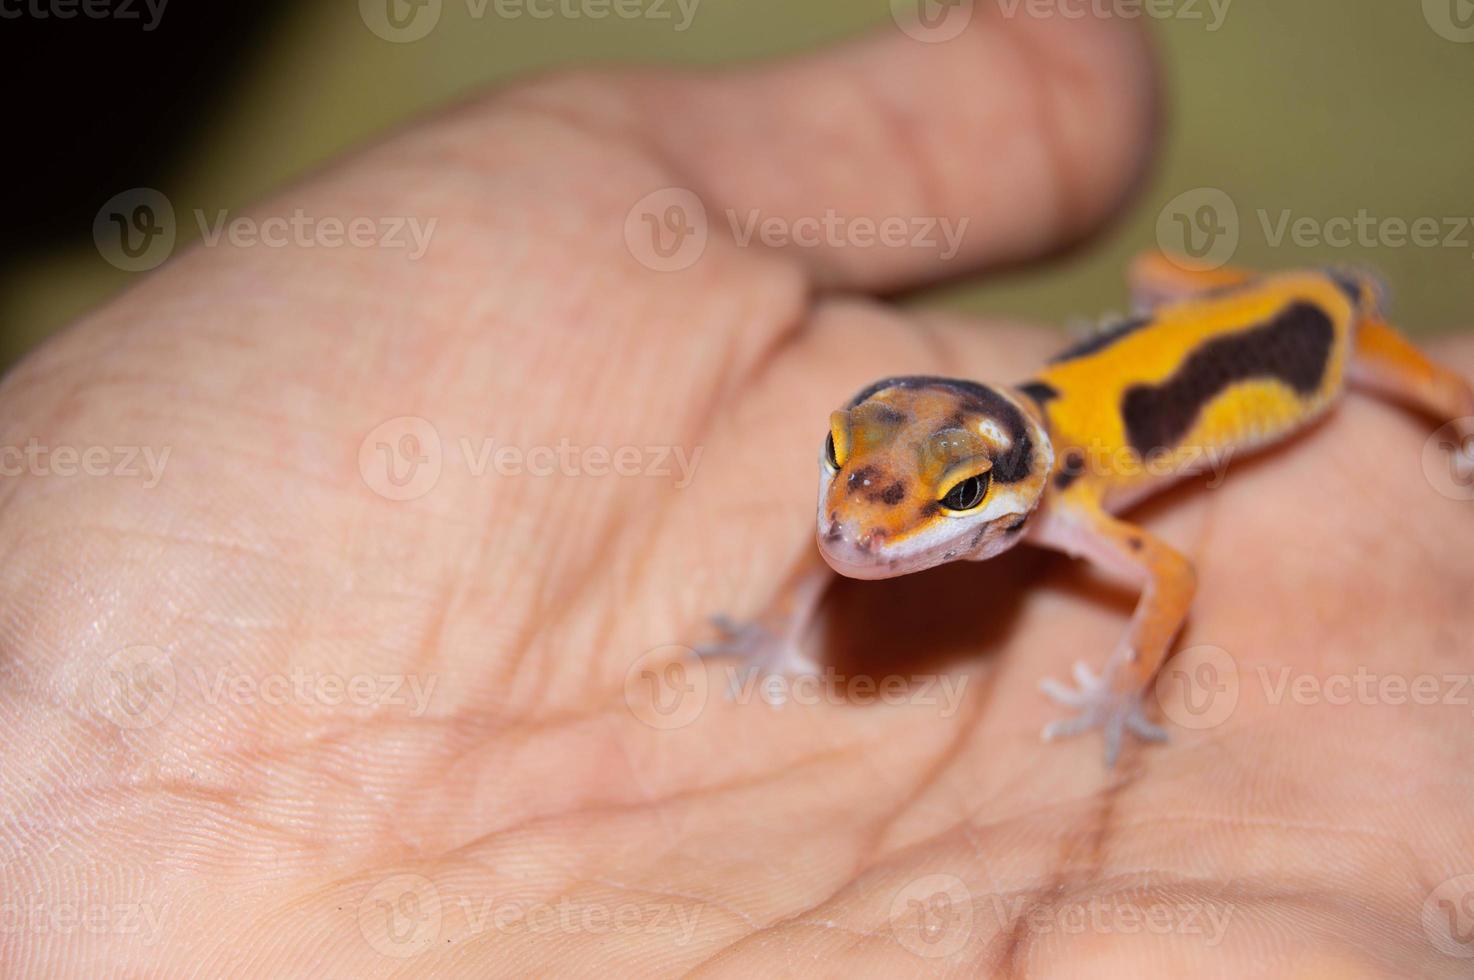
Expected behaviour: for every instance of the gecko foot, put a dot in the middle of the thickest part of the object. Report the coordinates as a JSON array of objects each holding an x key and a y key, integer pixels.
[
  {"x": 761, "y": 649},
  {"x": 1100, "y": 706}
]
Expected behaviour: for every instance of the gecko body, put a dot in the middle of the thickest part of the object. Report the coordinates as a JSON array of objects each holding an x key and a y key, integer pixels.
[{"x": 917, "y": 471}]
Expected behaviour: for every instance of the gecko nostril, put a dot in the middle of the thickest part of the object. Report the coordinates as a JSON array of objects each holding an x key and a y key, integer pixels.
[{"x": 871, "y": 539}]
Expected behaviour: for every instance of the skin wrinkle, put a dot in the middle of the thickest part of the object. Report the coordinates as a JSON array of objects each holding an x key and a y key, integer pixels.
[
  {"x": 950, "y": 754},
  {"x": 1031, "y": 59},
  {"x": 273, "y": 916}
]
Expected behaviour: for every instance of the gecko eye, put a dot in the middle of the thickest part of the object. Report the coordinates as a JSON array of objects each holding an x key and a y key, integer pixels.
[
  {"x": 837, "y": 443},
  {"x": 967, "y": 494}
]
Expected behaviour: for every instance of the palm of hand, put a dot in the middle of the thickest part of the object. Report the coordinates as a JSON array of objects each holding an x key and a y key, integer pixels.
[{"x": 512, "y": 806}]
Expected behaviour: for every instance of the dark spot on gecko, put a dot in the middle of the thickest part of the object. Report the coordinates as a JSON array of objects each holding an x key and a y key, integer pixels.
[
  {"x": 886, "y": 415},
  {"x": 858, "y": 479},
  {"x": 977, "y": 538},
  {"x": 1347, "y": 283},
  {"x": 893, "y": 494},
  {"x": 1070, "y": 468},
  {"x": 1134, "y": 542},
  {"x": 1041, "y": 392},
  {"x": 1100, "y": 340},
  {"x": 1294, "y": 347},
  {"x": 978, "y": 399},
  {"x": 931, "y": 508}
]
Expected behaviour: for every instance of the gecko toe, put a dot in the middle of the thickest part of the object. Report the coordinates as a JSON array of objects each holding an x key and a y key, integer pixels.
[{"x": 1098, "y": 705}]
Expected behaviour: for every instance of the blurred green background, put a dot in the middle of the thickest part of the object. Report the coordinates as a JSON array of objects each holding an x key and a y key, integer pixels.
[{"x": 1324, "y": 108}]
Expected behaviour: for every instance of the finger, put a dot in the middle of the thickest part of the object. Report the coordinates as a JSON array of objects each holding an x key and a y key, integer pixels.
[{"x": 1025, "y": 132}]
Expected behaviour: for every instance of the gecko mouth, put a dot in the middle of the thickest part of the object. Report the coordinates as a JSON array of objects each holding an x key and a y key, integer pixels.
[{"x": 856, "y": 555}]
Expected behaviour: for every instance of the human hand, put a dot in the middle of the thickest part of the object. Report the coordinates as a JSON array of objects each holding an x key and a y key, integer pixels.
[{"x": 501, "y": 802}]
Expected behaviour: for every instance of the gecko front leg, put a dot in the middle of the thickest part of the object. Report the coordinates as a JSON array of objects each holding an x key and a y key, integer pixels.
[
  {"x": 772, "y": 642},
  {"x": 1113, "y": 701}
]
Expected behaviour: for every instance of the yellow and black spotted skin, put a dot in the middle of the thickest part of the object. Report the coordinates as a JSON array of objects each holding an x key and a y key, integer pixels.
[
  {"x": 1154, "y": 398},
  {"x": 918, "y": 471}
]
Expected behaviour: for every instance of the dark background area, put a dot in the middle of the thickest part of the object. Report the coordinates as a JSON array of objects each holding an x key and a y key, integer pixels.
[{"x": 1324, "y": 109}]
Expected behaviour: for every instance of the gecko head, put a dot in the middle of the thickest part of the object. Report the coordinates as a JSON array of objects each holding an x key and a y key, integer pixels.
[{"x": 919, "y": 471}]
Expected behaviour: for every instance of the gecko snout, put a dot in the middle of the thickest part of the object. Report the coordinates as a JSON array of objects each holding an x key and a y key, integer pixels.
[{"x": 842, "y": 534}]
